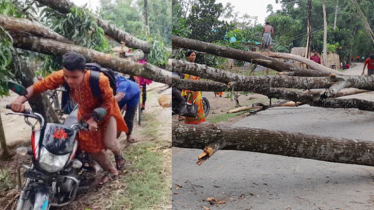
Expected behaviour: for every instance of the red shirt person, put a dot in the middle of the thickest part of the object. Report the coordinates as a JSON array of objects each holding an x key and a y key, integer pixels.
[
  {"x": 370, "y": 63},
  {"x": 316, "y": 58}
]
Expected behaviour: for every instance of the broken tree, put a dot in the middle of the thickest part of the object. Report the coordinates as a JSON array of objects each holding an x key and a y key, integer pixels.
[{"x": 213, "y": 138}]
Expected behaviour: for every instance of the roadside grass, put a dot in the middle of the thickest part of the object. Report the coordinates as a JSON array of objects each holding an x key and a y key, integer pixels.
[
  {"x": 145, "y": 181},
  {"x": 223, "y": 117}
]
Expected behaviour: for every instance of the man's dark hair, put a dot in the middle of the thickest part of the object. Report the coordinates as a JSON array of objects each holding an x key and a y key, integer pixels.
[
  {"x": 372, "y": 57},
  {"x": 73, "y": 61},
  {"x": 189, "y": 53},
  {"x": 267, "y": 23}
]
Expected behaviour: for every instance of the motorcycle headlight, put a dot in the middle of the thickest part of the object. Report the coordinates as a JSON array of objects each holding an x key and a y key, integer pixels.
[{"x": 51, "y": 162}]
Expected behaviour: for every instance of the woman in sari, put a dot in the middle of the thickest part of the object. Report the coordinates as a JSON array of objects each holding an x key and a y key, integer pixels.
[{"x": 193, "y": 96}]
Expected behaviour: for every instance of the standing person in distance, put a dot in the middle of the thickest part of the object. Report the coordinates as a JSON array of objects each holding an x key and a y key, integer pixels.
[
  {"x": 194, "y": 96},
  {"x": 267, "y": 34}
]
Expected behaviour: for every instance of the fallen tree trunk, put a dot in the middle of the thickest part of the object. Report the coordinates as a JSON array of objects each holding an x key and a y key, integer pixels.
[
  {"x": 310, "y": 63},
  {"x": 329, "y": 149},
  {"x": 244, "y": 56},
  {"x": 64, "y": 6},
  {"x": 248, "y": 83},
  {"x": 32, "y": 27},
  {"x": 307, "y": 97},
  {"x": 52, "y": 47}
]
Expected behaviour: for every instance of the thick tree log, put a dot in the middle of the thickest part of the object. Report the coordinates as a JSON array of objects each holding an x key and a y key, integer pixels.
[
  {"x": 329, "y": 149},
  {"x": 310, "y": 63},
  {"x": 32, "y": 27},
  {"x": 249, "y": 83},
  {"x": 244, "y": 56},
  {"x": 204, "y": 71},
  {"x": 311, "y": 98},
  {"x": 53, "y": 47},
  {"x": 218, "y": 75},
  {"x": 64, "y": 6},
  {"x": 199, "y": 85}
]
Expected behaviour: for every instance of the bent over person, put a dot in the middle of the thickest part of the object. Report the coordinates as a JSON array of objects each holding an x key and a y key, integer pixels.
[
  {"x": 128, "y": 93},
  {"x": 100, "y": 135}
]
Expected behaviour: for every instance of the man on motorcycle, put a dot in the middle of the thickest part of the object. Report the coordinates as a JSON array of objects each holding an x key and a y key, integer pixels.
[{"x": 100, "y": 135}]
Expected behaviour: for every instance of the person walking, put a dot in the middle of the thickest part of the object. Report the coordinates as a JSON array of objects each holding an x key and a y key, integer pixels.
[{"x": 370, "y": 63}]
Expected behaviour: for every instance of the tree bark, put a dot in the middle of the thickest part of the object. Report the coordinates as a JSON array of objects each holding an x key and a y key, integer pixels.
[
  {"x": 218, "y": 75},
  {"x": 64, "y": 6},
  {"x": 250, "y": 83},
  {"x": 310, "y": 63},
  {"x": 336, "y": 16},
  {"x": 52, "y": 47},
  {"x": 364, "y": 20},
  {"x": 324, "y": 33},
  {"x": 241, "y": 55},
  {"x": 5, "y": 155},
  {"x": 311, "y": 98},
  {"x": 35, "y": 28},
  {"x": 300, "y": 145},
  {"x": 39, "y": 102},
  {"x": 146, "y": 15},
  {"x": 309, "y": 29}
]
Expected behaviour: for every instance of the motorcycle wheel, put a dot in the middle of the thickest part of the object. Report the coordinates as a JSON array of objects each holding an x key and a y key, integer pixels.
[{"x": 206, "y": 106}]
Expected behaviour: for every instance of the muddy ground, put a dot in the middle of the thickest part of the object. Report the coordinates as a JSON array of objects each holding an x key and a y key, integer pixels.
[{"x": 18, "y": 133}]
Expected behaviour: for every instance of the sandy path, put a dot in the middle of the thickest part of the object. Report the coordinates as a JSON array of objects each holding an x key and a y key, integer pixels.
[{"x": 15, "y": 128}]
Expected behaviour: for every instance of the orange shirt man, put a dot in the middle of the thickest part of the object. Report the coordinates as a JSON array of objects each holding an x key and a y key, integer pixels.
[{"x": 370, "y": 63}]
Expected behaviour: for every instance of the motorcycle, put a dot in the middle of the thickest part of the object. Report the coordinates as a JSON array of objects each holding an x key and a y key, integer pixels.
[{"x": 58, "y": 167}]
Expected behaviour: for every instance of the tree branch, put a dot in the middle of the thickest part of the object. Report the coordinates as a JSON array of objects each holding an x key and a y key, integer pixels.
[
  {"x": 64, "y": 6},
  {"x": 244, "y": 56},
  {"x": 52, "y": 47}
]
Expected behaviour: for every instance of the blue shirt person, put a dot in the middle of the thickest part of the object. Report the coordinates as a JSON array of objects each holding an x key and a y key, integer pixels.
[{"x": 128, "y": 93}]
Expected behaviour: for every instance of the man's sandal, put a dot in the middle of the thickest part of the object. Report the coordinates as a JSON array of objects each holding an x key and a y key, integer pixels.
[
  {"x": 106, "y": 178},
  {"x": 120, "y": 162}
]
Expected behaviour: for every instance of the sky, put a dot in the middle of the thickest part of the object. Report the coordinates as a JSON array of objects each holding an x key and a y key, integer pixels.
[
  {"x": 252, "y": 7},
  {"x": 92, "y": 4}
]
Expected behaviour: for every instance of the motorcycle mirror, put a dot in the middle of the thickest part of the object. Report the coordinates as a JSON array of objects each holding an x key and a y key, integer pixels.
[
  {"x": 17, "y": 88},
  {"x": 100, "y": 113},
  {"x": 22, "y": 150}
]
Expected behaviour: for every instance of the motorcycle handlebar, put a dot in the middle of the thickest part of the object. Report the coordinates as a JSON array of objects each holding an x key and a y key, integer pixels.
[{"x": 24, "y": 112}]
